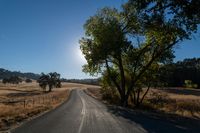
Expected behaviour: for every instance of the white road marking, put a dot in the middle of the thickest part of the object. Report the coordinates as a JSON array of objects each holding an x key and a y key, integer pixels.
[{"x": 83, "y": 112}]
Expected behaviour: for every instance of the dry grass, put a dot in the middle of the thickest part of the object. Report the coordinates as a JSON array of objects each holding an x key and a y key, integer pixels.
[
  {"x": 179, "y": 101},
  {"x": 79, "y": 86},
  {"x": 23, "y": 101},
  {"x": 94, "y": 92}
]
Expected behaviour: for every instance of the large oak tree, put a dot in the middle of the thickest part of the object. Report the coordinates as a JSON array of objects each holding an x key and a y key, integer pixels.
[{"x": 131, "y": 44}]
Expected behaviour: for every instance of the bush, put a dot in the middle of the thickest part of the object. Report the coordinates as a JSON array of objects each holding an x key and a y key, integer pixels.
[
  {"x": 28, "y": 81},
  {"x": 12, "y": 80},
  {"x": 110, "y": 94},
  {"x": 189, "y": 84}
]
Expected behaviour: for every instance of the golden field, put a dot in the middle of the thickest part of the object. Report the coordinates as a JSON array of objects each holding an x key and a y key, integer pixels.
[{"x": 26, "y": 100}]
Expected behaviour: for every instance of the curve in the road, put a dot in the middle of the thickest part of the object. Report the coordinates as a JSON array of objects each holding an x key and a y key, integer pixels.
[{"x": 83, "y": 114}]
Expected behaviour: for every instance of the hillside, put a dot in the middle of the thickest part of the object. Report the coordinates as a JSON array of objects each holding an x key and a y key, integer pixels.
[
  {"x": 6, "y": 74},
  {"x": 83, "y": 81}
]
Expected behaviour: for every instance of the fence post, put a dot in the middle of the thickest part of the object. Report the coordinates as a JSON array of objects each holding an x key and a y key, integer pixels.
[{"x": 24, "y": 103}]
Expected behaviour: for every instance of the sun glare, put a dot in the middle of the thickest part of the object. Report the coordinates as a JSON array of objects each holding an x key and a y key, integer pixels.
[{"x": 80, "y": 56}]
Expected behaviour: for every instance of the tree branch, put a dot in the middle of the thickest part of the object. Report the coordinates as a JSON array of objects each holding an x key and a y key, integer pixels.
[{"x": 147, "y": 65}]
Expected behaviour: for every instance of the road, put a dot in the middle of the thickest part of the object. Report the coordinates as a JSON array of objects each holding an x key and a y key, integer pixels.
[{"x": 83, "y": 114}]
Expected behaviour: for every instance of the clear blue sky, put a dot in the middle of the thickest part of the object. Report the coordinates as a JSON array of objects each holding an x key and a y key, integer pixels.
[{"x": 42, "y": 35}]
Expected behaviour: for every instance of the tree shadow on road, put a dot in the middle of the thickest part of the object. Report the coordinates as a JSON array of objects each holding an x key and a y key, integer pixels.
[{"x": 154, "y": 122}]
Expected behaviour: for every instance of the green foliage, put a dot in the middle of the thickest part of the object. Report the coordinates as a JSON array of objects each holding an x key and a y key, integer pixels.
[
  {"x": 108, "y": 91},
  {"x": 175, "y": 74},
  {"x": 52, "y": 80},
  {"x": 130, "y": 45},
  {"x": 189, "y": 84}
]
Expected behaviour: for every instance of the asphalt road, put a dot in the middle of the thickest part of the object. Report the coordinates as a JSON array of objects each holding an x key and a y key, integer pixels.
[{"x": 83, "y": 114}]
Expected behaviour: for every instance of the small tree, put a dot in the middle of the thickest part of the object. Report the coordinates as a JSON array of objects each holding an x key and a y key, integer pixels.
[
  {"x": 5, "y": 80},
  {"x": 43, "y": 81},
  {"x": 54, "y": 80}
]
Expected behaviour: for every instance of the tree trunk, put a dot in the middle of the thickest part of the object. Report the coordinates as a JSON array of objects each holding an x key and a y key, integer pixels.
[
  {"x": 123, "y": 83},
  {"x": 122, "y": 96},
  {"x": 138, "y": 98},
  {"x": 145, "y": 94},
  {"x": 134, "y": 97},
  {"x": 50, "y": 88}
]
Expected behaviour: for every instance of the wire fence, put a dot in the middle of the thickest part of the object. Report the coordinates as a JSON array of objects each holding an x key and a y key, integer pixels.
[{"x": 34, "y": 101}]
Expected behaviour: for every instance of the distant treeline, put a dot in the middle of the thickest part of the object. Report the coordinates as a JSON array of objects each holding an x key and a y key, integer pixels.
[
  {"x": 182, "y": 73},
  {"x": 5, "y": 74},
  {"x": 83, "y": 81}
]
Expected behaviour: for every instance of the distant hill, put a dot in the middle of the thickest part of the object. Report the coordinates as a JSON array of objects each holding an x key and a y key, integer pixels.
[
  {"x": 7, "y": 74},
  {"x": 83, "y": 81}
]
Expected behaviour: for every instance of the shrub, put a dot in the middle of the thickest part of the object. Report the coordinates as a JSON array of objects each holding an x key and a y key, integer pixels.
[
  {"x": 12, "y": 80},
  {"x": 28, "y": 81},
  {"x": 110, "y": 94},
  {"x": 190, "y": 84}
]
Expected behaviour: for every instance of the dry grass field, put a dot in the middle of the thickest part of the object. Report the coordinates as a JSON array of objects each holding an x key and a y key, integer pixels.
[
  {"x": 179, "y": 101},
  {"x": 26, "y": 100}
]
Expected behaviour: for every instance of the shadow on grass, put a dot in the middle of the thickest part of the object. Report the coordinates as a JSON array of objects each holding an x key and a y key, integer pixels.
[
  {"x": 23, "y": 94},
  {"x": 157, "y": 122},
  {"x": 183, "y": 91}
]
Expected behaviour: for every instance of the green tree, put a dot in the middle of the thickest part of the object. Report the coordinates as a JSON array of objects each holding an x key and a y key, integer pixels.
[
  {"x": 128, "y": 44},
  {"x": 104, "y": 46},
  {"x": 43, "y": 81},
  {"x": 52, "y": 80}
]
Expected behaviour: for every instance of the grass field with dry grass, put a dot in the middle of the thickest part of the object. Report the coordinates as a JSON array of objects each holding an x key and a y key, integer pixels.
[
  {"x": 26, "y": 100},
  {"x": 179, "y": 101}
]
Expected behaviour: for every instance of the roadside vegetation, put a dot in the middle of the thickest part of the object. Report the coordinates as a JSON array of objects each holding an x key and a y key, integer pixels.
[
  {"x": 130, "y": 47},
  {"x": 184, "y": 102}
]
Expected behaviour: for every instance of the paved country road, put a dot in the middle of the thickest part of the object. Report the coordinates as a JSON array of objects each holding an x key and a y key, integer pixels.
[{"x": 83, "y": 114}]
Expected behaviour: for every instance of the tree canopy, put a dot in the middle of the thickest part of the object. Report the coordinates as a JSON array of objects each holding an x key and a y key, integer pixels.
[{"x": 131, "y": 44}]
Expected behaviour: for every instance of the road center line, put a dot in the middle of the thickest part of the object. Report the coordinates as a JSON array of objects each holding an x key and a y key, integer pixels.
[{"x": 83, "y": 112}]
